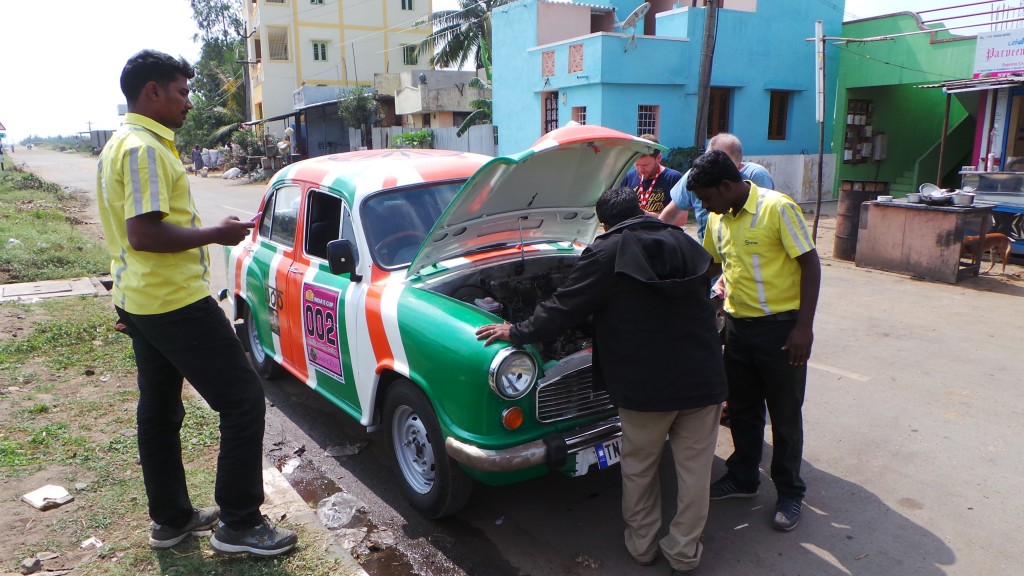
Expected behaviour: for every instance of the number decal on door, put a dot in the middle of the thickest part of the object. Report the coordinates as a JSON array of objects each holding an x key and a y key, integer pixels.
[{"x": 320, "y": 322}]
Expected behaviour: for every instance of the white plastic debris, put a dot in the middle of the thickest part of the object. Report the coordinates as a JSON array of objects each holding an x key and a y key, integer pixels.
[
  {"x": 290, "y": 465},
  {"x": 337, "y": 510},
  {"x": 91, "y": 542},
  {"x": 741, "y": 526},
  {"x": 344, "y": 449},
  {"x": 49, "y": 496},
  {"x": 231, "y": 174},
  {"x": 13, "y": 242}
]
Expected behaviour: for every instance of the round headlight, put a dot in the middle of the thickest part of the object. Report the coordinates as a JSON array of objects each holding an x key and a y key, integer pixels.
[{"x": 512, "y": 373}]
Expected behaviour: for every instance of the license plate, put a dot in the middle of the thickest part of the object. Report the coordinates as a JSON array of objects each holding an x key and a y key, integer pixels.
[{"x": 608, "y": 453}]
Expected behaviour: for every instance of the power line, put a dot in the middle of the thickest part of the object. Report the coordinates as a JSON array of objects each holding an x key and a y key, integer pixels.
[{"x": 908, "y": 68}]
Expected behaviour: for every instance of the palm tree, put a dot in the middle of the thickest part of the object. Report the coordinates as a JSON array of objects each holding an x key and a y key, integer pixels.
[
  {"x": 459, "y": 34},
  {"x": 482, "y": 106}
]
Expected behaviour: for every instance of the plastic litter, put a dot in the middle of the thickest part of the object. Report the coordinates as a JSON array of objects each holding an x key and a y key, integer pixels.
[{"x": 337, "y": 510}]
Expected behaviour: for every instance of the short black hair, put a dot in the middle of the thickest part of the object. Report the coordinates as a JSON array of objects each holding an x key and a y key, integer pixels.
[
  {"x": 617, "y": 205},
  {"x": 152, "y": 66},
  {"x": 711, "y": 169}
]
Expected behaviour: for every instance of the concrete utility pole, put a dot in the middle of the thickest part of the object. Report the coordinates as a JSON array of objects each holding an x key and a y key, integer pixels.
[
  {"x": 819, "y": 112},
  {"x": 707, "y": 56}
]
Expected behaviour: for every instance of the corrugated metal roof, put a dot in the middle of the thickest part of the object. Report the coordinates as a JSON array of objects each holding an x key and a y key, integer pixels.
[
  {"x": 973, "y": 84},
  {"x": 593, "y": 7}
]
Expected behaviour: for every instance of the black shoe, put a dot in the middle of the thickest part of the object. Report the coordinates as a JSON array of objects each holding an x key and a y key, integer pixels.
[
  {"x": 201, "y": 524},
  {"x": 728, "y": 487},
  {"x": 264, "y": 539},
  {"x": 787, "y": 513}
]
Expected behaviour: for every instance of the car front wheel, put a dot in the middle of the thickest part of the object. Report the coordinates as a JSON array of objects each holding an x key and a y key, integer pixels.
[
  {"x": 433, "y": 482},
  {"x": 258, "y": 357}
]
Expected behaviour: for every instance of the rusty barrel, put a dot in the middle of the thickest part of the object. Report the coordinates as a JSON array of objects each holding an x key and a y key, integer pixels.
[{"x": 847, "y": 221}]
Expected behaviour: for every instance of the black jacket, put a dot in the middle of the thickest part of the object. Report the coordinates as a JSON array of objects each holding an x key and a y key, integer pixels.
[{"x": 656, "y": 347}]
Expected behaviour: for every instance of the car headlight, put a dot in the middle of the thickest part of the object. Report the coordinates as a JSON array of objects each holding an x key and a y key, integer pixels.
[{"x": 512, "y": 373}]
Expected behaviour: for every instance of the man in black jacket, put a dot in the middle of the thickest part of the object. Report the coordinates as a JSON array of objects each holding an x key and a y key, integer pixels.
[{"x": 662, "y": 365}]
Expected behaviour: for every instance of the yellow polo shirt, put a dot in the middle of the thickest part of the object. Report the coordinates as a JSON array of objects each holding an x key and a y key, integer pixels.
[
  {"x": 757, "y": 249},
  {"x": 140, "y": 172}
]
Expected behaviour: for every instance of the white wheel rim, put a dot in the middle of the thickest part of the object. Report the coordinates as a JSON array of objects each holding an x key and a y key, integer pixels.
[
  {"x": 255, "y": 348},
  {"x": 412, "y": 447}
]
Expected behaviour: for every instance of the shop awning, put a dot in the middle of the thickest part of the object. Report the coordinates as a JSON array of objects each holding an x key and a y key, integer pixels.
[
  {"x": 975, "y": 84},
  {"x": 272, "y": 118}
]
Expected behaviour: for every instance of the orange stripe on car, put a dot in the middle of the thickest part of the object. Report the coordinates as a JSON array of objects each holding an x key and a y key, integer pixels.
[{"x": 374, "y": 320}]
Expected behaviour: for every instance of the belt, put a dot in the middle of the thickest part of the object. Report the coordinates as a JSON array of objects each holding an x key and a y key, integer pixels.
[{"x": 779, "y": 317}]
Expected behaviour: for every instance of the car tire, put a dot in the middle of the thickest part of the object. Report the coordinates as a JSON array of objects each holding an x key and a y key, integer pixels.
[
  {"x": 258, "y": 357},
  {"x": 434, "y": 483}
]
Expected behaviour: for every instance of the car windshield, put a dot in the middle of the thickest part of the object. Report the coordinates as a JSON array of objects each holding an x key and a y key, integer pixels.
[{"x": 397, "y": 221}]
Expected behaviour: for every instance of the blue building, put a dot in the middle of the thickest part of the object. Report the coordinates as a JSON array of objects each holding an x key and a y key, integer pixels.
[{"x": 556, "y": 62}]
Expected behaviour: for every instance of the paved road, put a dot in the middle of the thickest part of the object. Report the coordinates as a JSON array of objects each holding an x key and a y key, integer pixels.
[{"x": 914, "y": 418}]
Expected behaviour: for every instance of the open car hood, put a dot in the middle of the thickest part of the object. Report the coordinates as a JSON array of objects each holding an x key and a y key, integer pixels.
[{"x": 545, "y": 194}]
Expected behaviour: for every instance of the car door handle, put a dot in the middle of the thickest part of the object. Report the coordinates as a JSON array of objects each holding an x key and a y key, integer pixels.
[{"x": 293, "y": 270}]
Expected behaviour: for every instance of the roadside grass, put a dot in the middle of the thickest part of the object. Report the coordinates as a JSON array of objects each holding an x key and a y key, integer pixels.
[
  {"x": 67, "y": 413},
  {"x": 37, "y": 224}
]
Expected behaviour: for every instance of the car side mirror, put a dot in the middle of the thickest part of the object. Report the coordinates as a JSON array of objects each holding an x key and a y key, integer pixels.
[{"x": 342, "y": 258}]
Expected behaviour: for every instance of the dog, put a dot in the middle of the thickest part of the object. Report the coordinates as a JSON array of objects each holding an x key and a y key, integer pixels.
[{"x": 994, "y": 242}]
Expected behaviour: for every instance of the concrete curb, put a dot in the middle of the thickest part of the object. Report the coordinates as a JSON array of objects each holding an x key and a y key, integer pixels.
[{"x": 283, "y": 500}]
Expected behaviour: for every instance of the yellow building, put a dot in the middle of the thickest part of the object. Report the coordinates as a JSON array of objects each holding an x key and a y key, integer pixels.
[{"x": 293, "y": 43}]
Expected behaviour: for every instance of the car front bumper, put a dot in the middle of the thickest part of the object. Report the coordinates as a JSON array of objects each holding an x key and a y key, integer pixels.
[{"x": 554, "y": 450}]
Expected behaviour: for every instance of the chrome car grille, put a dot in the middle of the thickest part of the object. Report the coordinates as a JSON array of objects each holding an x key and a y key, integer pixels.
[{"x": 570, "y": 395}]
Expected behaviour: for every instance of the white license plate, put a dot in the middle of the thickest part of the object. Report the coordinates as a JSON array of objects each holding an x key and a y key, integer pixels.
[{"x": 608, "y": 453}]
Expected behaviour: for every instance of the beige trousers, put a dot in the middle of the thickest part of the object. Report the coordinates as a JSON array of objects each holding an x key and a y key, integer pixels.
[{"x": 692, "y": 436}]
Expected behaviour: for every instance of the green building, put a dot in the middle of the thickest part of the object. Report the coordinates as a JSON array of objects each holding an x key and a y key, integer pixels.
[{"x": 889, "y": 130}]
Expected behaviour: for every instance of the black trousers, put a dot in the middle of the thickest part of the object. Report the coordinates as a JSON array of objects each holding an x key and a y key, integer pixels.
[
  {"x": 760, "y": 376},
  {"x": 198, "y": 343}
]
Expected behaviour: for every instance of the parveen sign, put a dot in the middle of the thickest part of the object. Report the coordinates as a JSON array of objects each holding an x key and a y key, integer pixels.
[{"x": 999, "y": 53}]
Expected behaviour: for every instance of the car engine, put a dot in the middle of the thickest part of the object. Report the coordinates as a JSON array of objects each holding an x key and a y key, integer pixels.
[{"x": 512, "y": 292}]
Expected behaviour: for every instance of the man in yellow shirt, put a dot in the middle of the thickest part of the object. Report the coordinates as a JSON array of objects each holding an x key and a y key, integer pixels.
[
  {"x": 770, "y": 282},
  {"x": 160, "y": 267}
]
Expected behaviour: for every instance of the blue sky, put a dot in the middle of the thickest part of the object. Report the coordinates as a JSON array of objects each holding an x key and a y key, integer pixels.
[{"x": 62, "y": 58}]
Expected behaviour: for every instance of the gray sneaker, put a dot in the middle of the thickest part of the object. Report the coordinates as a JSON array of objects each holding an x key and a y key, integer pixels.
[
  {"x": 264, "y": 539},
  {"x": 201, "y": 524}
]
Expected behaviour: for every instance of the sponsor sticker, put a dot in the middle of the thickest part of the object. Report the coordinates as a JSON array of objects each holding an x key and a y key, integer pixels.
[{"x": 320, "y": 322}]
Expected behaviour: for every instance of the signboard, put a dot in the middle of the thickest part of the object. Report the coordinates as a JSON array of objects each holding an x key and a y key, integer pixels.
[{"x": 999, "y": 53}]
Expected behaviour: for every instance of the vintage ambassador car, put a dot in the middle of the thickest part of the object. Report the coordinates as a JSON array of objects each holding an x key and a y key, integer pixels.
[{"x": 368, "y": 273}]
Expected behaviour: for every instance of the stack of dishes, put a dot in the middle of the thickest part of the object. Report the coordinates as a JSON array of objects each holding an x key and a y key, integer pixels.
[{"x": 935, "y": 196}]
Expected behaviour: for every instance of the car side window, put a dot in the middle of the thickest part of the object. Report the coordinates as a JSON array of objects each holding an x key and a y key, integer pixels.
[
  {"x": 286, "y": 211},
  {"x": 347, "y": 232},
  {"x": 267, "y": 219},
  {"x": 323, "y": 222}
]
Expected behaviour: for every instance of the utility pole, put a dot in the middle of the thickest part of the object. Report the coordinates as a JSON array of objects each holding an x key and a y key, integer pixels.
[
  {"x": 707, "y": 56},
  {"x": 819, "y": 52},
  {"x": 248, "y": 89}
]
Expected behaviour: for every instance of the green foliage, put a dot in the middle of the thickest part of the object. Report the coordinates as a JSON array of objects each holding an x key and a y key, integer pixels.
[
  {"x": 218, "y": 96},
  {"x": 459, "y": 34},
  {"x": 482, "y": 107},
  {"x": 420, "y": 139},
  {"x": 219, "y": 21},
  {"x": 358, "y": 108},
  {"x": 680, "y": 158}
]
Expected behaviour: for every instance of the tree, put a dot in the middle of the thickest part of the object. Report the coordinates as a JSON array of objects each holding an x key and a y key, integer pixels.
[
  {"x": 219, "y": 97},
  {"x": 482, "y": 107},
  {"x": 459, "y": 34},
  {"x": 358, "y": 108},
  {"x": 219, "y": 21}
]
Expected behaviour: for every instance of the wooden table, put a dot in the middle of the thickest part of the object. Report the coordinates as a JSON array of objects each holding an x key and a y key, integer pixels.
[{"x": 920, "y": 240}]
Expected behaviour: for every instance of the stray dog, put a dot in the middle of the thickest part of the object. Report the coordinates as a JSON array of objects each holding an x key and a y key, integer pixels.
[{"x": 994, "y": 242}]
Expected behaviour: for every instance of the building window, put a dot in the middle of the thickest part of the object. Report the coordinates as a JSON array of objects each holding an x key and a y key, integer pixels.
[
  {"x": 718, "y": 111},
  {"x": 277, "y": 40},
  {"x": 576, "y": 58},
  {"x": 778, "y": 112},
  {"x": 550, "y": 111},
  {"x": 579, "y": 114},
  {"x": 276, "y": 1},
  {"x": 409, "y": 54},
  {"x": 320, "y": 2},
  {"x": 547, "y": 63},
  {"x": 647, "y": 119},
  {"x": 406, "y": 4},
  {"x": 319, "y": 51}
]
